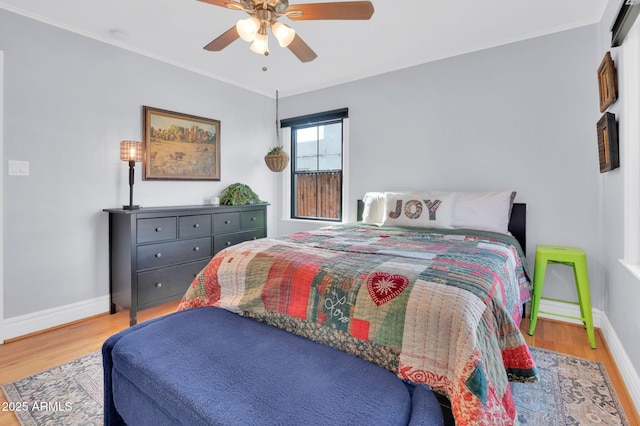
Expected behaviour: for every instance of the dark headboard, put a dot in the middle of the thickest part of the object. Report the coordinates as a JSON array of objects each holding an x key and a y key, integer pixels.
[{"x": 517, "y": 223}]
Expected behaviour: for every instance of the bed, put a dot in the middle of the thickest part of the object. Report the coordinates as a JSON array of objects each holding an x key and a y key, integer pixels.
[
  {"x": 439, "y": 306},
  {"x": 427, "y": 290}
]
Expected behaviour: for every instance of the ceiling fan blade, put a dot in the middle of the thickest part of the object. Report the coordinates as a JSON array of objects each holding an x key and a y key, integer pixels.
[
  {"x": 222, "y": 3},
  {"x": 223, "y": 40},
  {"x": 301, "y": 49},
  {"x": 340, "y": 10}
]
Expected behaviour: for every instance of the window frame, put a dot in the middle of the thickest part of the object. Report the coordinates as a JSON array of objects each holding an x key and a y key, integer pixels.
[
  {"x": 630, "y": 164},
  {"x": 287, "y": 189},
  {"x": 295, "y": 173}
]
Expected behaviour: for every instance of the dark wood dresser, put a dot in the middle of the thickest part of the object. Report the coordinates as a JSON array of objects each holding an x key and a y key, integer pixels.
[{"x": 155, "y": 252}]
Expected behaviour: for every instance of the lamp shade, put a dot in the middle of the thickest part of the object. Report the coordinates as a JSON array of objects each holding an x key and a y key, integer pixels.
[
  {"x": 131, "y": 151},
  {"x": 260, "y": 44},
  {"x": 283, "y": 33},
  {"x": 248, "y": 28}
]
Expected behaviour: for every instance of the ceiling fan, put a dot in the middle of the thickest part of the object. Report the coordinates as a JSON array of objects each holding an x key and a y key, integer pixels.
[{"x": 264, "y": 14}]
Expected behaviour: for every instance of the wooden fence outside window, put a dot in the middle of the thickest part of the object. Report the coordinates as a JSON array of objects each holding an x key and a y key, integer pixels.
[{"x": 318, "y": 195}]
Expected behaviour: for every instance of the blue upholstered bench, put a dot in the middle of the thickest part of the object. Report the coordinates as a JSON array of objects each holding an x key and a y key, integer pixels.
[{"x": 210, "y": 366}]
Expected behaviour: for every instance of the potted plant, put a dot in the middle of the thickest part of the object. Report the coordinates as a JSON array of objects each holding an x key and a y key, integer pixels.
[
  {"x": 277, "y": 159},
  {"x": 238, "y": 194}
]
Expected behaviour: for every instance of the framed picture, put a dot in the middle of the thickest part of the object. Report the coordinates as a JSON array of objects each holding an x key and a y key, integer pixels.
[
  {"x": 180, "y": 146},
  {"x": 608, "y": 142},
  {"x": 607, "y": 82}
]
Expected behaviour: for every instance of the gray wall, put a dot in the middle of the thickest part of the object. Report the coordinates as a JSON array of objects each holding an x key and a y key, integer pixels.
[
  {"x": 68, "y": 101},
  {"x": 622, "y": 289},
  {"x": 520, "y": 116}
]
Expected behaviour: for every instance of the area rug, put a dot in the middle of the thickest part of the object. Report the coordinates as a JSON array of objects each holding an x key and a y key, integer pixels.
[
  {"x": 69, "y": 394},
  {"x": 572, "y": 391}
]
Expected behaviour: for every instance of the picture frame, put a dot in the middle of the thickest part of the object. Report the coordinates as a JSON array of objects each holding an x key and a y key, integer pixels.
[
  {"x": 608, "y": 142},
  {"x": 607, "y": 82},
  {"x": 180, "y": 146}
]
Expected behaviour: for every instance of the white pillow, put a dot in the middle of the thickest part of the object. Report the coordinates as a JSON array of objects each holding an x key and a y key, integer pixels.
[
  {"x": 418, "y": 210},
  {"x": 487, "y": 211},
  {"x": 373, "y": 211}
]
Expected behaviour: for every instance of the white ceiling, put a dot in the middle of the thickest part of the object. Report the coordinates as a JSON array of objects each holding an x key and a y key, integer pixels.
[{"x": 401, "y": 33}]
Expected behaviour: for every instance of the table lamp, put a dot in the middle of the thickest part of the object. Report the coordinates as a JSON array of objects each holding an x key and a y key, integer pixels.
[{"x": 131, "y": 151}]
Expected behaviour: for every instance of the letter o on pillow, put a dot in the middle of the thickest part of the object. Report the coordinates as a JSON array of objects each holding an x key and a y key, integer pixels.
[{"x": 413, "y": 209}]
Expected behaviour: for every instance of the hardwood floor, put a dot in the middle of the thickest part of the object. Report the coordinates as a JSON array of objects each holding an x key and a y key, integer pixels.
[{"x": 32, "y": 354}]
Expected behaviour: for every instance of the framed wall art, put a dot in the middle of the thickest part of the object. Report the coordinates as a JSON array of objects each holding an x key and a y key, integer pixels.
[
  {"x": 607, "y": 82},
  {"x": 180, "y": 146},
  {"x": 608, "y": 142}
]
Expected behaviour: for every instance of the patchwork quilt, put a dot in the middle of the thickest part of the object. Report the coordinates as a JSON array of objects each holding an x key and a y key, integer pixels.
[{"x": 440, "y": 307}]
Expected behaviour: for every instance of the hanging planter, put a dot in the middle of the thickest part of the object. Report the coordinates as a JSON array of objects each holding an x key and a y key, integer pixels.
[{"x": 276, "y": 159}]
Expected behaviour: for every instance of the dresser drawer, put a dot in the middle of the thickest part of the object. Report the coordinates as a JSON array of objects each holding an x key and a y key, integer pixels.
[
  {"x": 194, "y": 226},
  {"x": 156, "y": 229},
  {"x": 223, "y": 241},
  {"x": 172, "y": 282},
  {"x": 226, "y": 222},
  {"x": 156, "y": 255},
  {"x": 252, "y": 219}
]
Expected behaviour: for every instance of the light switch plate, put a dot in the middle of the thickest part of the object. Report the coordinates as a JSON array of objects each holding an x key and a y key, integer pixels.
[{"x": 18, "y": 168}]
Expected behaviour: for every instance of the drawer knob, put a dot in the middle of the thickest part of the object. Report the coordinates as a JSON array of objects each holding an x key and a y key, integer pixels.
[
  {"x": 196, "y": 249},
  {"x": 227, "y": 222},
  {"x": 253, "y": 219},
  {"x": 228, "y": 243},
  {"x": 158, "y": 229},
  {"x": 158, "y": 285},
  {"x": 158, "y": 254},
  {"x": 197, "y": 225}
]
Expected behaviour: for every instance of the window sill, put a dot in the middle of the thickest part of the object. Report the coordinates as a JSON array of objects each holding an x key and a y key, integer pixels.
[{"x": 634, "y": 268}]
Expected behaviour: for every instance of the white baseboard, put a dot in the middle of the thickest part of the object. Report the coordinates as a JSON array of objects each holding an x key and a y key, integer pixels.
[
  {"x": 42, "y": 320},
  {"x": 600, "y": 320},
  {"x": 628, "y": 373}
]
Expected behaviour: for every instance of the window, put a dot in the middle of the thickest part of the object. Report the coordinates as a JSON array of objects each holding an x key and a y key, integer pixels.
[
  {"x": 628, "y": 72},
  {"x": 317, "y": 152}
]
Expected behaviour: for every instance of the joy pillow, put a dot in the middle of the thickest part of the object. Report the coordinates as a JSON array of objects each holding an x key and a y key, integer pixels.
[{"x": 418, "y": 210}]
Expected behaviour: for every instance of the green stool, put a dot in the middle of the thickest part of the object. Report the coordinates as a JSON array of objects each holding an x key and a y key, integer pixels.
[{"x": 569, "y": 256}]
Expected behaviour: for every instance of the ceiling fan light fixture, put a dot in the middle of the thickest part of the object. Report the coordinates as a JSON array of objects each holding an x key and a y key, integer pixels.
[
  {"x": 264, "y": 15},
  {"x": 260, "y": 44},
  {"x": 248, "y": 28},
  {"x": 284, "y": 33}
]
